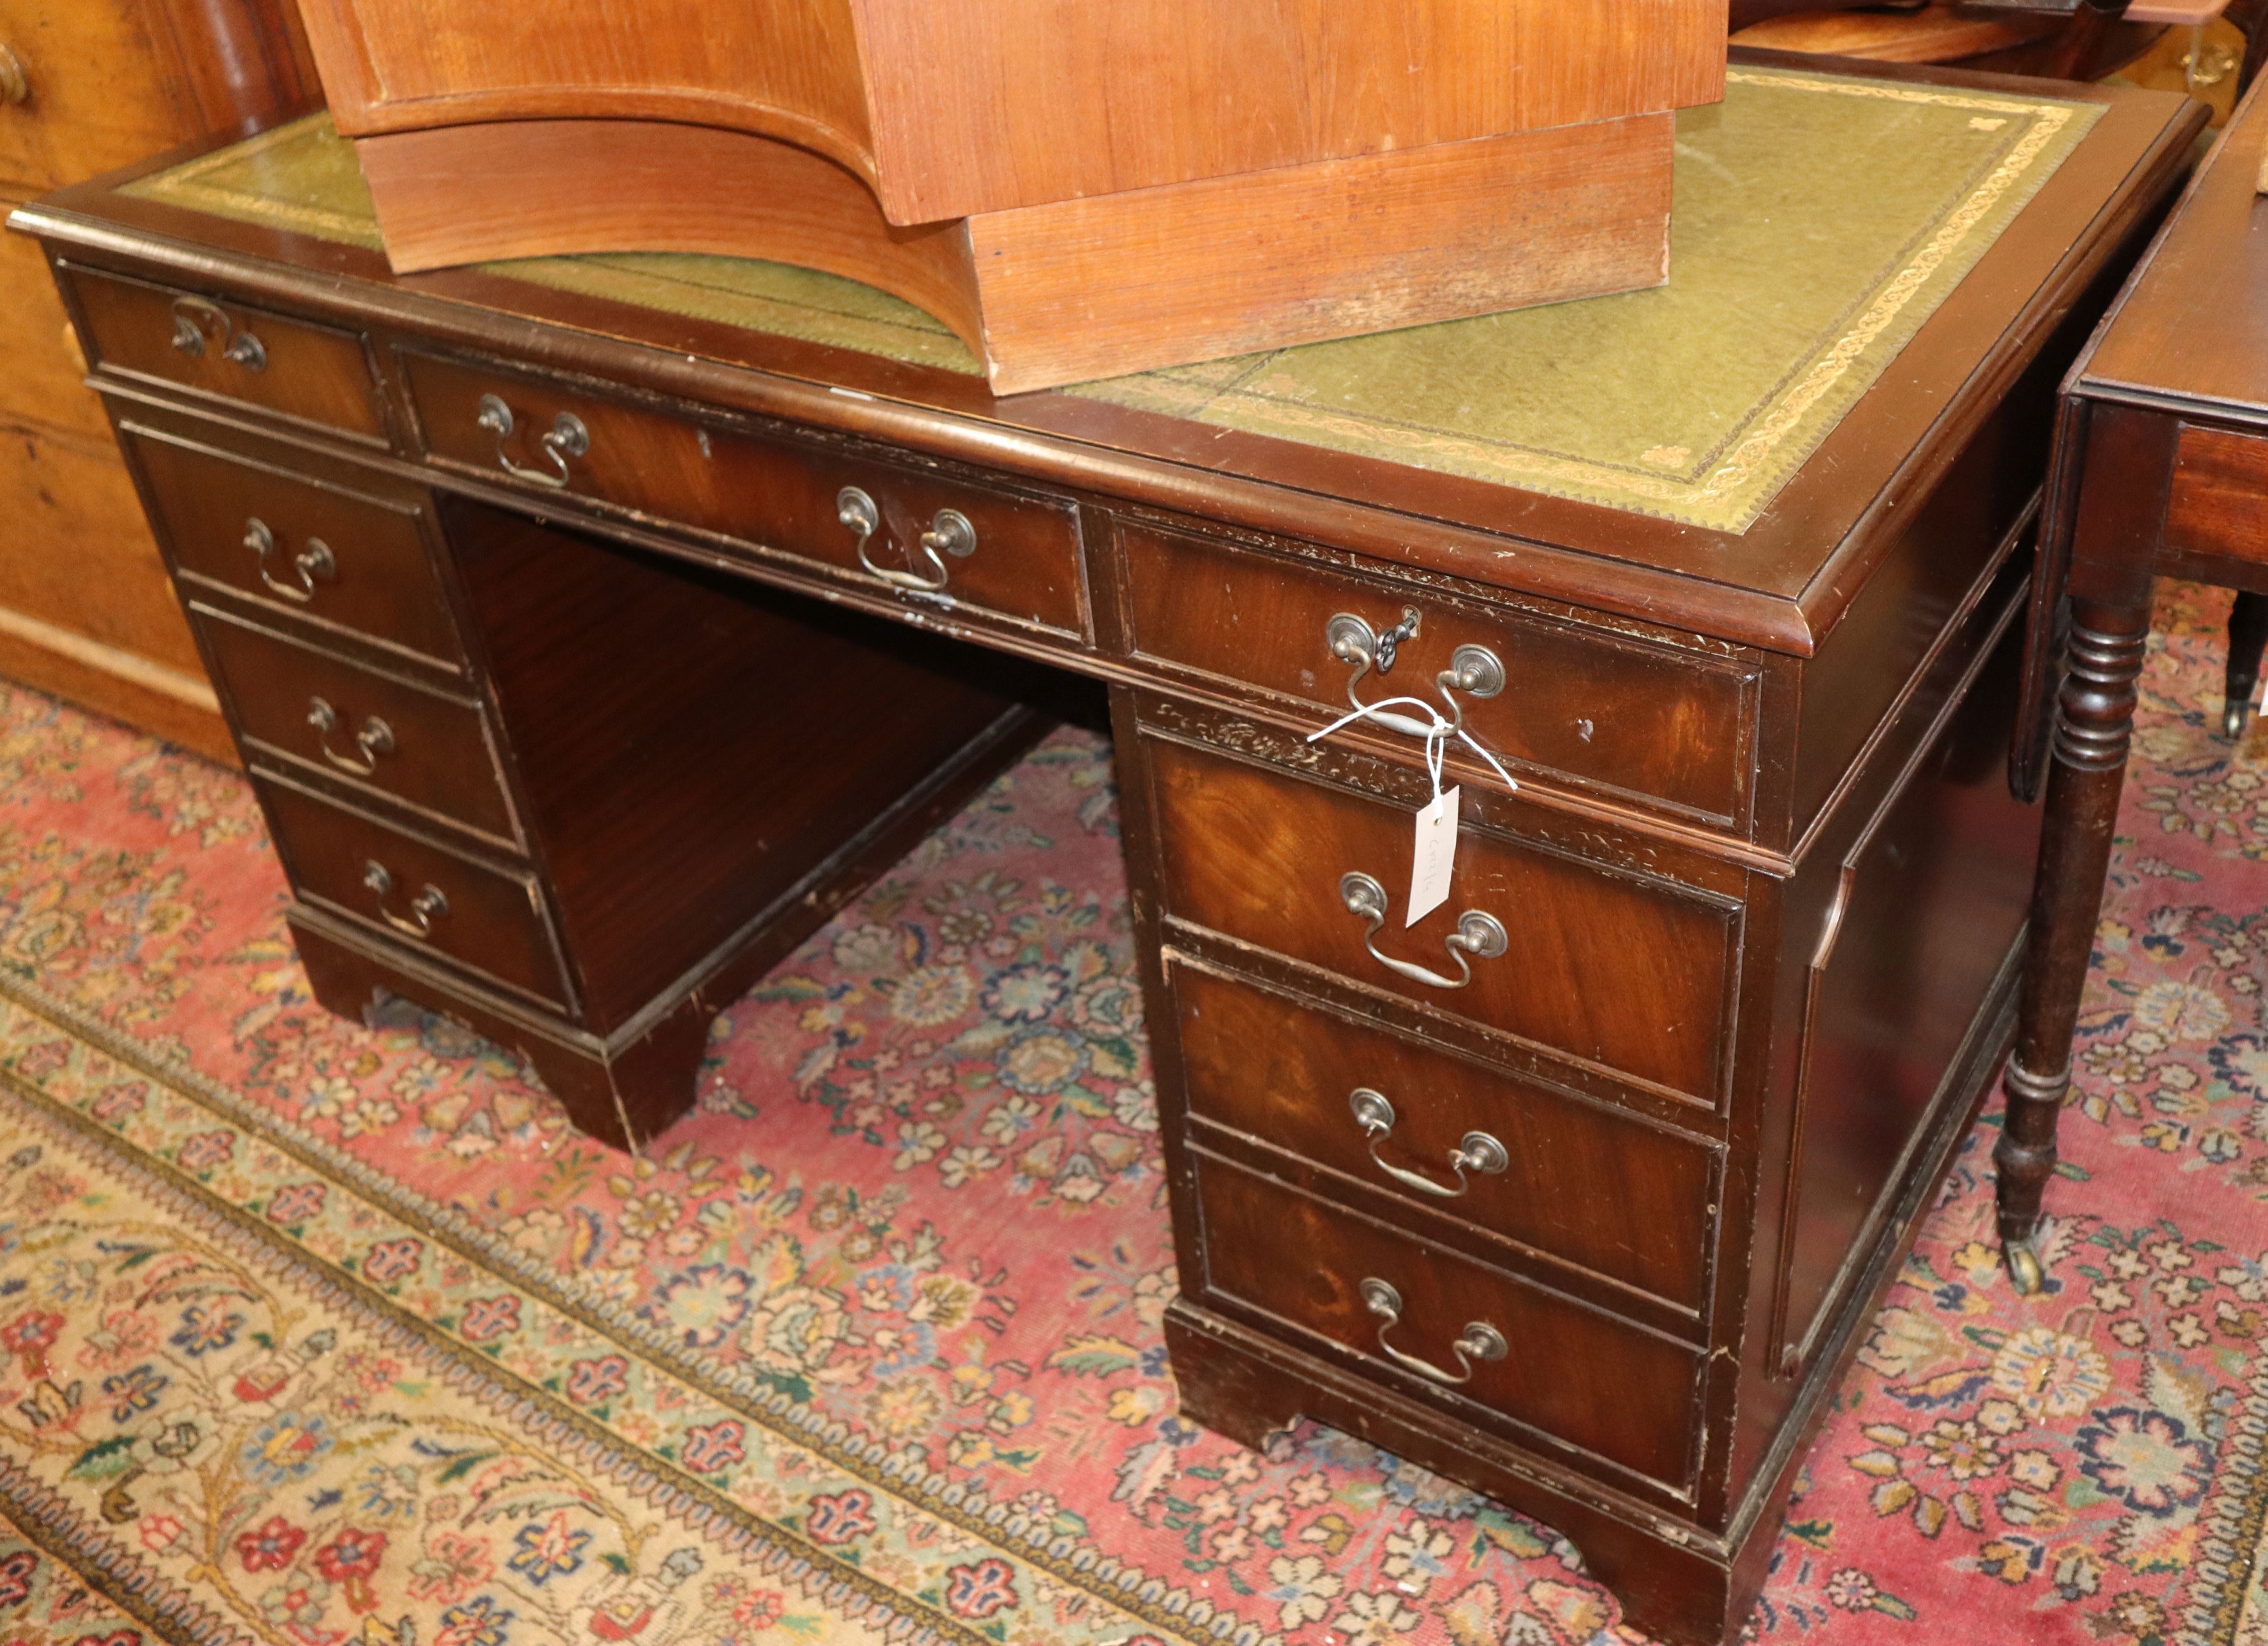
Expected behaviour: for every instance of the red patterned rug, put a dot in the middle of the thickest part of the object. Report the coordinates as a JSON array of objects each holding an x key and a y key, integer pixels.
[{"x": 311, "y": 1333}]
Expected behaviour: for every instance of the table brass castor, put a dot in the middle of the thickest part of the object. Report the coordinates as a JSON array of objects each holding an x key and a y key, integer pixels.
[{"x": 2024, "y": 1269}]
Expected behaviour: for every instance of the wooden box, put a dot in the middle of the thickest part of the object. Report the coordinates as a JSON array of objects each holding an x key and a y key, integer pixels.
[{"x": 1079, "y": 192}]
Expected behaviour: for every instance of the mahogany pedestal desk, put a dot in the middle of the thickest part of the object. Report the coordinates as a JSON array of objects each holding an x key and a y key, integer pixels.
[
  {"x": 2161, "y": 466},
  {"x": 573, "y": 614}
]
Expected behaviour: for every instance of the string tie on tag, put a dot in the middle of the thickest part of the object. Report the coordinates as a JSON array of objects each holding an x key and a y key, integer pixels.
[{"x": 1438, "y": 730}]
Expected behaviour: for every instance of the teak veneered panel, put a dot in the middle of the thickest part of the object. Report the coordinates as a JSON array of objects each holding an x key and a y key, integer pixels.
[{"x": 1618, "y": 971}]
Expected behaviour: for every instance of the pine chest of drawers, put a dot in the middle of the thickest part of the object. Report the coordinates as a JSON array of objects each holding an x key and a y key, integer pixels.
[{"x": 1580, "y": 1189}]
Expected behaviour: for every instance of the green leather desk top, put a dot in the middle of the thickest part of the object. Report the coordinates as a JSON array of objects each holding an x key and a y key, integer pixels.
[{"x": 1820, "y": 219}]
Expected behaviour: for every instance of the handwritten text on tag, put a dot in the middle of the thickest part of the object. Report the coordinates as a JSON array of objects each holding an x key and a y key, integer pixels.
[{"x": 1434, "y": 856}]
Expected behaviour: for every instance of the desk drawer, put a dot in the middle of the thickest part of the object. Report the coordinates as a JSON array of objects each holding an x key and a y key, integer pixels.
[
  {"x": 1582, "y": 1377},
  {"x": 406, "y": 741},
  {"x": 335, "y": 557},
  {"x": 1617, "y": 968},
  {"x": 311, "y": 372},
  {"x": 1017, "y": 557},
  {"x": 1605, "y": 709},
  {"x": 2219, "y": 504},
  {"x": 1598, "y": 1191},
  {"x": 425, "y": 897}
]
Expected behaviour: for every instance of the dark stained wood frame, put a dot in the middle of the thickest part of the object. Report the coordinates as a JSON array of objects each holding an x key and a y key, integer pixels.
[{"x": 1860, "y": 607}]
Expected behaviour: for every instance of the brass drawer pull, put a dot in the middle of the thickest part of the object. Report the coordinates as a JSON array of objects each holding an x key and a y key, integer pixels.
[
  {"x": 949, "y": 533},
  {"x": 1479, "y": 934},
  {"x": 567, "y": 438},
  {"x": 1481, "y": 1341},
  {"x": 315, "y": 563},
  {"x": 1474, "y": 670},
  {"x": 1477, "y": 1151},
  {"x": 426, "y": 907},
  {"x": 194, "y": 318},
  {"x": 376, "y": 738},
  {"x": 15, "y": 84}
]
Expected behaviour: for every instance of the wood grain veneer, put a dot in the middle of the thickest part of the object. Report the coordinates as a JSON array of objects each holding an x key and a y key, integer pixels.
[
  {"x": 1729, "y": 1127},
  {"x": 84, "y": 606},
  {"x": 948, "y": 112},
  {"x": 1080, "y": 289}
]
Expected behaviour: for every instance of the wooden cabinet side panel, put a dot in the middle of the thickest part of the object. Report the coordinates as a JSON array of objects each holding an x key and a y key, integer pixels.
[
  {"x": 1045, "y": 103},
  {"x": 784, "y": 70}
]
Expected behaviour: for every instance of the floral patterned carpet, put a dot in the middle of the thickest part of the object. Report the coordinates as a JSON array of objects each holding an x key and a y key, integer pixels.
[{"x": 315, "y": 1333}]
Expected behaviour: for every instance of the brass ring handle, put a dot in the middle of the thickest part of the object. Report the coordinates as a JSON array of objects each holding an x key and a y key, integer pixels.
[
  {"x": 426, "y": 907},
  {"x": 1477, "y": 1152},
  {"x": 376, "y": 738},
  {"x": 194, "y": 318},
  {"x": 949, "y": 533},
  {"x": 567, "y": 438},
  {"x": 1480, "y": 1342},
  {"x": 1479, "y": 934},
  {"x": 15, "y": 84},
  {"x": 1474, "y": 670},
  {"x": 315, "y": 563}
]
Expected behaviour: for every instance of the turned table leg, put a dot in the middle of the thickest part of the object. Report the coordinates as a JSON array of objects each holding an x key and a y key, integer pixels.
[
  {"x": 2248, "y": 639},
  {"x": 2095, "y": 722}
]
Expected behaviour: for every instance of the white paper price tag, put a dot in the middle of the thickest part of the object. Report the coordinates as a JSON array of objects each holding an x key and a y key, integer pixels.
[{"x": 1434, "y": 856}]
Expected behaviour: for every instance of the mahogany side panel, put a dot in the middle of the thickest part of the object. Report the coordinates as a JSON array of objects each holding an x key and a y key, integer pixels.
[
  {"x": 675, "y": 802},
  {"x": 1932, "y": 897},
  {"x": 2218, "y": 501}
]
